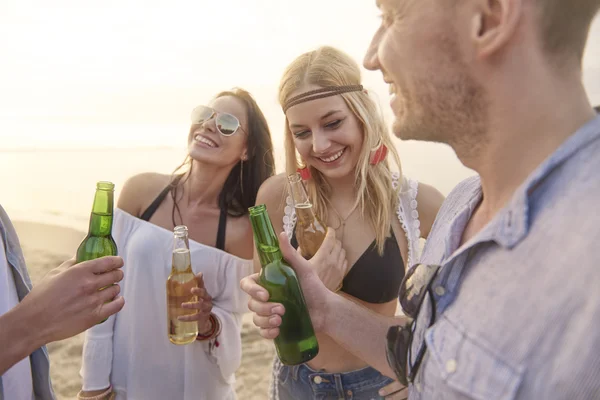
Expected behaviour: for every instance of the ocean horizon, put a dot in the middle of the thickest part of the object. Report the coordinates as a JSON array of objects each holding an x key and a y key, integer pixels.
[{"x": 56, "y": 186}]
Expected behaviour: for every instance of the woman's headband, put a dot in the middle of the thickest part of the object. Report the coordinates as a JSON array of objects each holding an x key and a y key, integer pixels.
[{"x": 320, "y": 93}]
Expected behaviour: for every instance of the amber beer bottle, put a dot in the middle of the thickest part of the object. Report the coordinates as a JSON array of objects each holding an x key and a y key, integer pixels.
[
  {"x": 179, "y": 285},
  {"x": 296, "y": 343},
  {"x": 310, "y": 231},
  {"x": 99, "y": 241}
]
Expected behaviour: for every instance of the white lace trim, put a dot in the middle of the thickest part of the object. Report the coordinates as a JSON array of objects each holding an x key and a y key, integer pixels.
[
  {"x": 276, "y": 370},
  {"x": 408, "y": 215},
  {"x": 289, "y": 217}
]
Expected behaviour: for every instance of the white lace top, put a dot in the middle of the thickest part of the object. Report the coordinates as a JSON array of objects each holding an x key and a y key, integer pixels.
[{"x": 407, "y": 215}]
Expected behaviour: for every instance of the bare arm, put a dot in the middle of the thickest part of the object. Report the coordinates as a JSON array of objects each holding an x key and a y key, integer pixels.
[
  {"x": 66, "y": 302},
  {"x": 359, "y": 330},
  {"x": 429, "y": 201},
  {"x": 18, "y": 339}
]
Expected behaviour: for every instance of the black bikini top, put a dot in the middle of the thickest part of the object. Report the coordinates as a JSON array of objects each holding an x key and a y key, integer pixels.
[
  {"x": 374, "y": 278},
  {"x": 149, "y": 212}
]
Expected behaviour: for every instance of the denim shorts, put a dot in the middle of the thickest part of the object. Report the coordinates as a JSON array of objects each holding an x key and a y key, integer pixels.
[{"x": 300, "y": 382}]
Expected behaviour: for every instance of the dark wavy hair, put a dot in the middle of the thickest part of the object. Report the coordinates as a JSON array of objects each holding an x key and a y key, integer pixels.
[{"x": 242, "y": 184}]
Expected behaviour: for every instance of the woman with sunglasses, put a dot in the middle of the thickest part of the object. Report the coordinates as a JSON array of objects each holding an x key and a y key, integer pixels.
[
  {"x": 129, "y": 356},
  {"x": 336, "y": 137}
]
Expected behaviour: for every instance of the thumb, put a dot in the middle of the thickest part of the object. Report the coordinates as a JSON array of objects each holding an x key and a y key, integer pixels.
[
  {"x": 199, "y": 279},
  {"x": 294, "y": 258},
  {"x": 68, "y": 263}
]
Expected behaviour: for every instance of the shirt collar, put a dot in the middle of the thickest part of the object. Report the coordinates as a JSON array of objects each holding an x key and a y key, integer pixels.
[{"x": 512, "y": 224}]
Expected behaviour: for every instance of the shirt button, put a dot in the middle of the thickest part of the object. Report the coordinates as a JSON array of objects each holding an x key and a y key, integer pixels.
[
  {"x": 418, "y": 387},
  {"x": 451, "y": 366},
  {"x": 318, "y": 380},
  {"x": 440, "y": 291}
]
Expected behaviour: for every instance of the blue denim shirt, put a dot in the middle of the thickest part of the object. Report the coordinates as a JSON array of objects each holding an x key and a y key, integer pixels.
[
  {"x": 40, "y": 363},
  {"x": 518, "y": 305}
]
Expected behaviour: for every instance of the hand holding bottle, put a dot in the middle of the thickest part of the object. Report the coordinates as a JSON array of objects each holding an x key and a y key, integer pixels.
[
  {"x": 68, "y": 300},
  {"x": 267, "y": 316},
  {"x": 330, "y": 261},
  {"x": 203, "y": 304}
]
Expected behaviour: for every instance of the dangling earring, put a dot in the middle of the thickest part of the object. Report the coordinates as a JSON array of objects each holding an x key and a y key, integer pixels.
[
  {"x": 304, "y": 172},
  {"x": 378, "y": 154},
  {"x": 242, "y": 175}
]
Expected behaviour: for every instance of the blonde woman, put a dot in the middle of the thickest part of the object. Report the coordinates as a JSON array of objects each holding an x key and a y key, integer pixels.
[{"x": 336, "y": 137}]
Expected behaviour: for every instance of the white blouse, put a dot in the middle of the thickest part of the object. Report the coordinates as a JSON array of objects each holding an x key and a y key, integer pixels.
[{"x": 131, "y": 350}]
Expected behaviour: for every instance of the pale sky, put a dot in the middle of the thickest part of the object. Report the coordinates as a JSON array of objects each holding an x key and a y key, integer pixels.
[{"x": 82, "y": 73}]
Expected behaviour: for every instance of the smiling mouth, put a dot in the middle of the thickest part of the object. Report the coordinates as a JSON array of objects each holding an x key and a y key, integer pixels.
[
  {"x": 333, "y": 157},
  {"x": 206, "y": 141}
]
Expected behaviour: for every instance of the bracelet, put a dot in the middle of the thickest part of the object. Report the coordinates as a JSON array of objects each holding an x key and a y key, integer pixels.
[
  {"x": 101, "y": 396},
  {"x": 213, "y": 332}
]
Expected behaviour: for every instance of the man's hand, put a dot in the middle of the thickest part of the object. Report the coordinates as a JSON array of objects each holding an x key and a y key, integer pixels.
[
  {"x": 69, "y": 300},
  {"x": 267, "y": 316}
]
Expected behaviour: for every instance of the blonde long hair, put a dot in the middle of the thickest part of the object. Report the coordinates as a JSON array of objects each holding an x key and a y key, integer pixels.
[{"x": 376, "y": 198}]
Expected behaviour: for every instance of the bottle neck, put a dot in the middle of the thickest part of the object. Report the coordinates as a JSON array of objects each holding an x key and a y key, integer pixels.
[
  {"x": 266, "y": 241},
  {"x": 181, "y": 242},
  {"x": 181, "y": 249},
  {"x": 298, "y": 192},
  {"x": 304, "y": 209},
  {"x": 101, "y": 219}
]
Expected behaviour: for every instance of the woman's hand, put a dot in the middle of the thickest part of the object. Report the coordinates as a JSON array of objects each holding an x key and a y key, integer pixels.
[
  {"x": 330, "y": 261},
  {"x": 203, "y": 305}
]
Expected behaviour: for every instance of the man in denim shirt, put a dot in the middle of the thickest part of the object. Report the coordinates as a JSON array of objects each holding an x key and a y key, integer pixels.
[
  {"x": 65, "y": 303},
  {"x": 514, "y": 310}
]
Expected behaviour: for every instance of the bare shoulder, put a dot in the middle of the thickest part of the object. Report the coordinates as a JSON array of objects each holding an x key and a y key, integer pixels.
[
  {"x": 239, "y": 240},
  {"x": 273, "y": 193},
  {"x": 429, "y": 201},
  {"x": 140, "y": 190}
]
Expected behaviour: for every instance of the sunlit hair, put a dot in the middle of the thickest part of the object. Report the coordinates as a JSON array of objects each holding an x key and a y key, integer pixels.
[{"x": 376, "y": 198}]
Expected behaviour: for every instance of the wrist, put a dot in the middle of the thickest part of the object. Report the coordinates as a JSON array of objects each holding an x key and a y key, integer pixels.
[
  {"x": 206, "y": 327},
  {"x": 15, "y": 328},
  {"x": 329, "y": 306},
  {"x": 213, "y": 332},
  {"x": 25, "y": 317}
]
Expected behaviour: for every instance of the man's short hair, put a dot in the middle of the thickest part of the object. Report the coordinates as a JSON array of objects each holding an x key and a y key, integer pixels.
[{"x": 565, "y": 25}]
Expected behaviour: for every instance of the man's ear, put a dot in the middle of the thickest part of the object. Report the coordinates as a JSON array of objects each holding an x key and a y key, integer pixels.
[{"x": 494, "y": 23}]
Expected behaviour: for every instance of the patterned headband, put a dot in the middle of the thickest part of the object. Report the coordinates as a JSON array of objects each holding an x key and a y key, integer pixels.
[{"x": 320, "y": 93}]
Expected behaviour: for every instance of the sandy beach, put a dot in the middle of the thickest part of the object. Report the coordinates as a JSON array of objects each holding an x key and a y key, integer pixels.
[{"x": 46, "y": 246}]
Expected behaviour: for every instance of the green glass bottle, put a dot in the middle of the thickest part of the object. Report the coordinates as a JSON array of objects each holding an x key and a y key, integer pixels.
[
  {"x": 99, "y": 241},
  {"x": 296, "y": 343}
]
